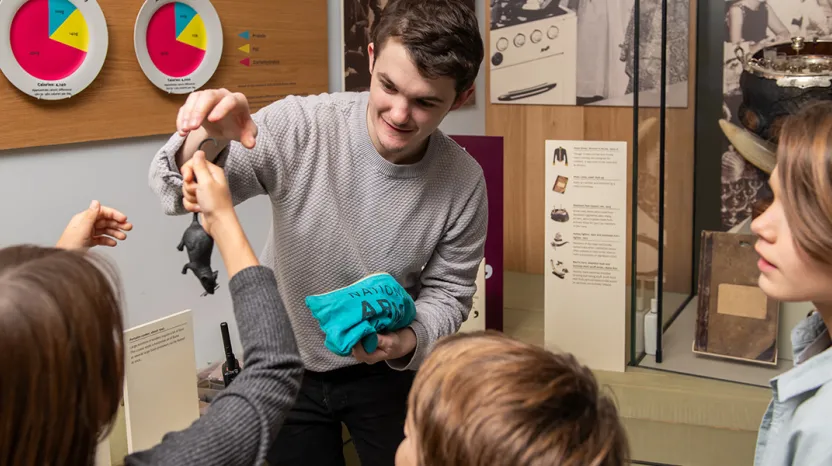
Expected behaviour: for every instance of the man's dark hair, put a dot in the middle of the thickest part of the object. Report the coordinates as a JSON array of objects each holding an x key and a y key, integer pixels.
[{"x": 441, "y": 36}]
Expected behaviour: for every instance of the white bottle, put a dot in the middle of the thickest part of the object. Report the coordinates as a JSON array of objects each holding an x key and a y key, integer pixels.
[
  {"x": 651, "y": 327},
  {"x": 641, "y": 311},
  {"x": 640, "y": 330}
]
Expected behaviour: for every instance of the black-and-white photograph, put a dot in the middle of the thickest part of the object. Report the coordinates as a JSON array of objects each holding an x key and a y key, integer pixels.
[
  {"x": 751, "y": 26},
  {"x": 359, "y": 17},
  {"x": 581, "y": 52}
]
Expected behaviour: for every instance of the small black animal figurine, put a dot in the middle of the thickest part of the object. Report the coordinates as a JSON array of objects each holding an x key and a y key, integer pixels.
[{"x": 200, "y": 247}]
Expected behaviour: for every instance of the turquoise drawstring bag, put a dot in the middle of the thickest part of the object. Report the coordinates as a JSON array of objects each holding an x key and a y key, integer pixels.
[{"x": 359, "y": 312}]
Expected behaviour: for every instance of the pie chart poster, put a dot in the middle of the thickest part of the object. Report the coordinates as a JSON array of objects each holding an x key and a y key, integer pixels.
[
  {"x": 176, "y": 39},
  {"x": 49, "y": 38},
  {"x": 270, "y": 49},
  {"x": 488, "y": 152}
]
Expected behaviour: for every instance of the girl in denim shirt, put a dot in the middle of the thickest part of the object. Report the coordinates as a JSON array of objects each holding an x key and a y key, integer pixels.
[{"x": 795, "y": 248}]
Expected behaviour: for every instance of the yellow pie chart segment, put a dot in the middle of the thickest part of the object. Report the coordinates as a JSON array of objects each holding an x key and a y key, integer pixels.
[
  {"x": 194, "y": 34},
  {"x": 73, "y": 32}
]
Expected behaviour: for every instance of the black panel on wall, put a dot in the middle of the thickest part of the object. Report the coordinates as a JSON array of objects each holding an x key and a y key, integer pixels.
[{"x": 709, "y": 140}]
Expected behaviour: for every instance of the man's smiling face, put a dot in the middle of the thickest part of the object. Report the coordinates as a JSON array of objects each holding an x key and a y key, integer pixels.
[{"x": 405, "y": 107}]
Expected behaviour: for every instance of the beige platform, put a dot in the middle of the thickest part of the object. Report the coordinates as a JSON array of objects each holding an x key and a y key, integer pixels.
[{"x": 678, "y": 357}]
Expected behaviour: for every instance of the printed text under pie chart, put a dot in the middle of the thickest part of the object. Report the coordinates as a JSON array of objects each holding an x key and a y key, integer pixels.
[
  {"x": 49, "y": 38},
  {"x": 176, "y": 39}
]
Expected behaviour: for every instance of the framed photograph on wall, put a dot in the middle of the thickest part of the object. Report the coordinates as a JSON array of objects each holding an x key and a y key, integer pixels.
[
  {"x": 748, "y": 26},
  {"x": 727, "y": 185},
  {"x": 580, "y": 52}
]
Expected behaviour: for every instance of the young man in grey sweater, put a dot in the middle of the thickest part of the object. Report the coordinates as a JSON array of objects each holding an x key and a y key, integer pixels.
[{"x": 359, "y": 183}]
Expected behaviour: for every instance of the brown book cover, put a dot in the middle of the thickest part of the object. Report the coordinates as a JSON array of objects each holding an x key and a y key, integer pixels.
[{"x": 735, "y": 319}]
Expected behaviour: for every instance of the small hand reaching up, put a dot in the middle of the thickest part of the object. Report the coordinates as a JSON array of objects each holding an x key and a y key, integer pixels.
[
  {"x": 205, "y": 190},
  {"x": 96, "y": 226}
]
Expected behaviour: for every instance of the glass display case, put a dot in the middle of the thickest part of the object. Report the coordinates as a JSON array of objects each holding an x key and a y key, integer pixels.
[
  {"x": 663, "y": 165},
  {"x": 700, "y": 177}
]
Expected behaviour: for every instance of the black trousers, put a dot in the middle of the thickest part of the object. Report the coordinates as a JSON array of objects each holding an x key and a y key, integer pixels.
[{"x": 371, "y": 400}]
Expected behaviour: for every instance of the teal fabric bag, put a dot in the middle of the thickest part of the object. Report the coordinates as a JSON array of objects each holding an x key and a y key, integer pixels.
[{"x": 359, "y": 312}]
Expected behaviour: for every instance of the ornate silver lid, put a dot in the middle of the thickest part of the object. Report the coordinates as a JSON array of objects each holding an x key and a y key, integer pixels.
[{"x": 792, "y": 63}]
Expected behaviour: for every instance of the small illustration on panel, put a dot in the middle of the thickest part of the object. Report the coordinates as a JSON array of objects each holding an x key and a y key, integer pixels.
[
  {"x": 558, "y": 269},
  {"x": 558, "y": 242},
  {"x": 560, "y": 156},
  {"x": 560, "y": 184},
  {"x": 559, "y": 214}
]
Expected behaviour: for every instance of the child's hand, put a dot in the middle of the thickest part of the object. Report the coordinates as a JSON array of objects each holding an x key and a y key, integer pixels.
[
  {"x": 205, "y": 190},
  {"x": 97, "y": 226}
]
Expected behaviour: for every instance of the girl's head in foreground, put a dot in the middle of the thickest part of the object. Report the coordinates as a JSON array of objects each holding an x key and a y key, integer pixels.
[
  {"x": 61, "y": 347},
  {"x": 795, "y": 232},
  {"x": 484, "y": 399}
]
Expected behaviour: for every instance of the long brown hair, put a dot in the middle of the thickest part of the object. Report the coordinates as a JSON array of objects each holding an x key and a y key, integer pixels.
[
  {"x": 804, "y": 166},
  {"x": 484, "y": 399},
  {"x": 61, "y": 355}
]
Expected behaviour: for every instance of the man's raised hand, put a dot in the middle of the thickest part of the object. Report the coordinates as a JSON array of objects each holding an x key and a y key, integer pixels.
[{"x": 223, "y": 115}]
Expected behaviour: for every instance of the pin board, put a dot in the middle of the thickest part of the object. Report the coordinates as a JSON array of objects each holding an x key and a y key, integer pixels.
[{"x": 91, "y": 70}]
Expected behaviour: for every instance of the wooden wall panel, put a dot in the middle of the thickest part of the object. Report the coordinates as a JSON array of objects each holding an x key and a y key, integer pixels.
[
  {"x": 525, "y": 129},
  {"x": 122, "y": 102}
]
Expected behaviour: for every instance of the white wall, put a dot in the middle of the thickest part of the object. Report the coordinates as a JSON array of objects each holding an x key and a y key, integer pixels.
[{"x": 40, "y": 189}]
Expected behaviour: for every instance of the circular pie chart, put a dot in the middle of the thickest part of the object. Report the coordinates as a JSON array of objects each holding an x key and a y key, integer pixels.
[
  {"x": 176, "y": 39},
  {"x": 49, "y": 38},
  {"x": 54, "y": 48},
  {"x": 178, "y": 43}
]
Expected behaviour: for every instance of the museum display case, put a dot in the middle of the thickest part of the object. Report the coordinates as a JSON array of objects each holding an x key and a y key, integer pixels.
[
  {"x": 698, "y": 184},
  {"x": 662, "y": 155}
]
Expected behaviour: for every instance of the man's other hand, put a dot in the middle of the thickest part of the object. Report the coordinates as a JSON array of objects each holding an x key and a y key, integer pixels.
[{"x": 394, "y": 345}]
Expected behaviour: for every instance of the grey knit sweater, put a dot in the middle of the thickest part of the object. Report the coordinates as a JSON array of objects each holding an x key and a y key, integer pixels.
[
  {"x": 242, "y": 421},
  {"x": 340, "y": 212}
]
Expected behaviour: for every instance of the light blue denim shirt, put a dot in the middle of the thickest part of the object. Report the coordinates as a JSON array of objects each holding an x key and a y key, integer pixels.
[{"x": 797, "y": 426}]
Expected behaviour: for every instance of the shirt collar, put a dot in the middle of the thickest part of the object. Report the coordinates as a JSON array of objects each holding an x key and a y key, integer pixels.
[{"x": 812, "y": 357}]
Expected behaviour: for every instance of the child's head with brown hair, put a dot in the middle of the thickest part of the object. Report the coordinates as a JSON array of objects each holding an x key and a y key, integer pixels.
[
  {"x": 484, "y": 399},
  {"x": 62, "y": 354},
  {"x": 795, "y": 232}
]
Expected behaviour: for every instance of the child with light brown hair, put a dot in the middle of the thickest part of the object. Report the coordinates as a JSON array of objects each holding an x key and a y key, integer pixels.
[{"x": 485, "y": 399}]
